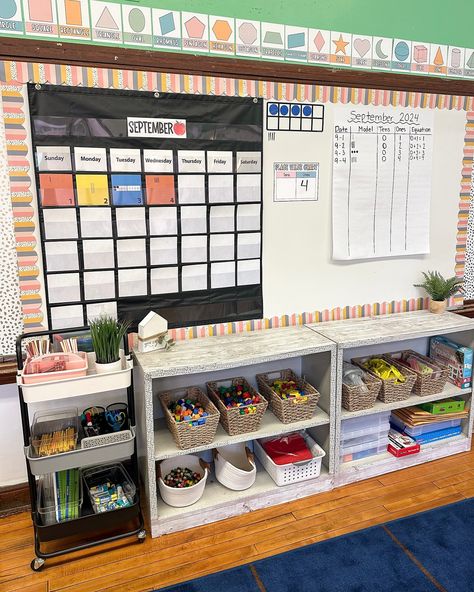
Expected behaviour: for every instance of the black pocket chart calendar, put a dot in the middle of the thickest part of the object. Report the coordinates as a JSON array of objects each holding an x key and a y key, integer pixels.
[{"x": 148, "y": 201}]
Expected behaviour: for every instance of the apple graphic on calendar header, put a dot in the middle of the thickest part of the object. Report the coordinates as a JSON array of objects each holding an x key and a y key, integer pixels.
[{"x": 179, "y": 128}]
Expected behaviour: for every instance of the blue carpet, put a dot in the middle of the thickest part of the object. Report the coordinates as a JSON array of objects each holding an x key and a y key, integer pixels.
[{"x": 370, "y": 560}]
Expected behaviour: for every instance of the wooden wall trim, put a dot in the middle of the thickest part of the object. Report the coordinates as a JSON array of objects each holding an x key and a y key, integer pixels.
[
  {"x": 8, "y": 372},
  {"x": 29, "y": 50}
]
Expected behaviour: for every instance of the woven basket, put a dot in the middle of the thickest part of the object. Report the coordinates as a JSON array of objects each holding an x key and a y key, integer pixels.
[
  {"x": 293, "y": 409},
  {"x": 184, "y": 434},
  {"x": 231, "y": 420},
  {"x": 425, "y": 384},
  {"x": 356, "y": 399},
  {"x": 390, "y": 392}
]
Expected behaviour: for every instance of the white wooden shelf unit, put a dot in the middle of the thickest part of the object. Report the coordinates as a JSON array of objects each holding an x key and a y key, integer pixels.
[
  {"x": 390, "y": 333},
  {"x": 193, "y": 363}
]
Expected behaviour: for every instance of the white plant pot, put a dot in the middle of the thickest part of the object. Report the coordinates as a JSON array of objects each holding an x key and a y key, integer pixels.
[{"x": 105, "y": 368}]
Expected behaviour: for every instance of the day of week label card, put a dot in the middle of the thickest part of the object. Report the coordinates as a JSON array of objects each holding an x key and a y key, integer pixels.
[
  {"x": 136, "y": 25},
  {"x": 11, "y": 21},
  {"x": 124, "y": 159},
  {"x": 90, "y": 159},
  {"x": 53, "y": 158},
  {"x": 73, "y": 17},
  {"x": 319, "y": 42},
  {"x": 221, "y": 35},
  {"x": 296, "y": 44},
  {"x": 382, "y": 53},
  {"x": 439, "y": 59},
  {"x": 195, "y": 31},
  {"x": 361, "y": 51},
  {"x": 247, "y": 36},
  {"x": 249, "y": 162},
  {"x": 219, "y": 162},
  {"x": 401, "y": 55},
  {"x": 456, "y": 61},
  {"x": 420, "y": 59},
  {"x": 166, "y": 28},
  {"x": 273, "y": 41},
  {"x": 341, "y": 48},
  {"x": 158, "y": 161},
  {"x": 40, "y": 17},
  {"x": 106, "y": 19},
  {"x": 191, "y": 161}
]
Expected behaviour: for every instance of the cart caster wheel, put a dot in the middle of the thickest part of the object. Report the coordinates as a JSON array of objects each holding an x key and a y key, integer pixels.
[
  {"x": 37, "y": 564},
  {"x": 141, "y": 536}
]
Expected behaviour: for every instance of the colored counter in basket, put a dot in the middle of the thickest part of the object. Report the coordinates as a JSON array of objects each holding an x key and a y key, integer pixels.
[{"x": 457, "y": 357}]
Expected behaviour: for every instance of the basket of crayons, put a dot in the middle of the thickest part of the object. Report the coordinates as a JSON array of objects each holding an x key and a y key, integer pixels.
[
  {"x": 291, "y": 397},
  {"x": 54, "y": 432}
]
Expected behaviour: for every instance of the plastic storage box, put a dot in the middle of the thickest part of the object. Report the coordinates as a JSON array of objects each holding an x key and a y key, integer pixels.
[
  {"x": 113, "y": 474},
  {"x": 56, "y": 423},
  {"x": 294, "y": 472},
  {"x": 48, "y": 506},
  {"x": 368, "y": 424}
]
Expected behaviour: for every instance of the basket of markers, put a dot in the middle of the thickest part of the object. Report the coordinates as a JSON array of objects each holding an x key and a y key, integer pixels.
[
  {"x": 190, "y": 416},
  {"x": 291, "y": 398},
  {"x": 241, "y": 407}
]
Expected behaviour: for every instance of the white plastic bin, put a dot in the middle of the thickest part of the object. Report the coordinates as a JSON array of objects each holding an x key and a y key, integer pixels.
[
  {"x": 367, "y": 424},
  {"x": 180, "y": 498},
  {"x": 235, "y": 466},
  {"x": 293, "y": 472}
]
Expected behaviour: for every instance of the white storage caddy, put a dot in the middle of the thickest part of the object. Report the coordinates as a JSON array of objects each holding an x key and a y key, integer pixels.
[
  {"x": 235, "y": 466},
  {"x": 179, "y": 498},
  {"x": 294, "y": 472}
]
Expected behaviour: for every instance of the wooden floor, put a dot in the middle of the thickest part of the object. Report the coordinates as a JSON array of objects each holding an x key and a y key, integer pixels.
[{"x": 186, "y": 555}]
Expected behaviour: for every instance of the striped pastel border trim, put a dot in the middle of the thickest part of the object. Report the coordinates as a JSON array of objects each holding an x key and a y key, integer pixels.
[{"x": 14, "y": 74}]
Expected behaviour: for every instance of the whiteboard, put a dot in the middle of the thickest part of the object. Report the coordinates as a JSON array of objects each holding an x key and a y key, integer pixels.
[{"x": 299, "y": 273}]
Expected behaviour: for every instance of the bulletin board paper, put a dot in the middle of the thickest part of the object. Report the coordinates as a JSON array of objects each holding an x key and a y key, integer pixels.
[{"x": 381, "y": 188}]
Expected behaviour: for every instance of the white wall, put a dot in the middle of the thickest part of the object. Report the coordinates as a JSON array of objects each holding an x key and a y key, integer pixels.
[
  {"x": 298, "y": 273},
  {"x": 12, "y": 459}
]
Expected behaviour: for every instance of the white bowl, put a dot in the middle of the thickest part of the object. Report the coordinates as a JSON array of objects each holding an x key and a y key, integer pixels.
[
  {"x": 179, "y": 498},
  {"x": 235, "y": 467}
]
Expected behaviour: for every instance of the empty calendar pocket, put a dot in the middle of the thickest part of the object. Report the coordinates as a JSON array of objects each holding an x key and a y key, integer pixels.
[
  {"x": 248, "y": 217},
  {"x": 221, "y": 188},
  {"x": 95, "y": 222},
  {"x": 63, "y": 287},
  {"x": 222, "y": 219},
  {"x": 98, "y": 254},
  {"x": 65, "y": 317},
  {"x": 163, "y": 221},
  {"x": 193, "y": 249},
  {"x": 194, "y": 277},
  {"x": 248, "y": 272},
  {"x": 249, "y": 188},
  {"x": 132, "y": 282},
  {"x": 223, "y": 274},
  {"x": 61, "y": 256},
  {"x": 99, "y": 285},
  {"x": 193, "y": 220},
  {"x": 131, "y": 222},
  {"x": 131, "y": 252},
  {"x": 163, "y": 250},
  {"x": 60, "y": 223},
  {"x": 248, "y": 245},
  {"x": 222, "y": 247},
  {"x": 191, "y": 189},
  {"x": 164, "y": 280}
]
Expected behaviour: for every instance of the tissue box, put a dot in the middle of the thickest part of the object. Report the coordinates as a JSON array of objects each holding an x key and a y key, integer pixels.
[{"x": 456, "y": 357}]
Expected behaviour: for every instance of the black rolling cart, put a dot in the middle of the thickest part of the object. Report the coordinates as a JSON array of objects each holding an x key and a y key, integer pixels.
[{"x": 88, "y": 529}]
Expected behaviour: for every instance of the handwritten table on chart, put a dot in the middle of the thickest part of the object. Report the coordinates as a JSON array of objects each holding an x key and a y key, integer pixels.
[{"x": 382, "y": 169}]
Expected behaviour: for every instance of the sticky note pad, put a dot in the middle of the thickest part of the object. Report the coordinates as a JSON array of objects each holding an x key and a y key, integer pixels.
[
  {"x": 56, "y": 190},
  {"x": 127, "y": 190},
  {"x": 92, "y": 190},
  {"x": 160, "y": 190}
]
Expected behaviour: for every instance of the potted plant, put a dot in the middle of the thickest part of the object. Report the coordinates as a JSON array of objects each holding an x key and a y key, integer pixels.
[
  {"x": 439, "y": 289},
  {"x": 107, "y": 337}
]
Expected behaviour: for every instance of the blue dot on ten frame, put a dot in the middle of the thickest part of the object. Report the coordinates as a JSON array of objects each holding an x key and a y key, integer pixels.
[
  {"x": 307, "y": 111},
  {"x": 295, "y": 110},
  {"x": 284, "y": 110},
  {"x": 273, "y": 109}
]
